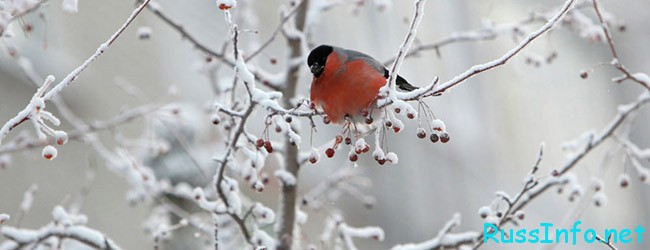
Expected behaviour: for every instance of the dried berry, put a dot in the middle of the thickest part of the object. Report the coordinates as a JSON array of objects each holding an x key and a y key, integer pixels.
[
  {"x": 421, "y": 133},
  {"x": 268, "y": 146},
  {"x": 354, "y": 157},
  {"x": 329, "y": 152},
  {"x": 348, "y": 141},
  {"x": 339, "y": 139},
  {"x": 259, "y": 143},
  {"x": 49, "y": 152},
  {"x": 624, "y": 180},
  {"x": 326, "y": 120},
  {"x": 444, "y": 137},
  {"x": 60, "y": 137},
  {"x": 366, "y": 148},
  {"x": 584, "y": 74},
  {"x": 434, "y": 138},
  {"x": 369, "y": 120}
]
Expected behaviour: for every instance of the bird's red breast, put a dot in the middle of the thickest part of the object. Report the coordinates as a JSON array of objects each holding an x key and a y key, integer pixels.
[{"x": 346, "y": 87}]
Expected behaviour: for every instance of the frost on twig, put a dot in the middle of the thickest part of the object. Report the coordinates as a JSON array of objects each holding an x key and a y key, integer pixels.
[
  {"x": 445, "y": 239},
  {"x": 41, "y": 96},
  {"x": 64, "y": 226},
  {"x": 335, "y": 225},
  {"x": 35, "y": 112}
]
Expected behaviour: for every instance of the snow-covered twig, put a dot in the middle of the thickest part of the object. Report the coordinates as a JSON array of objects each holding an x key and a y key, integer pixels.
[
  {"x": 26, "y": 113},
  {"x": 26, "y": 8},
  {"x": 84, "y": 129},
  {"x": 606, "y": 242},
  {"x": 345, "y": 180},
  {"x": 264, "y": 77},
  {"x": 404, "y": 48},
  {"x": 477, "y": 69},
  {"x": 640, "y": 78},
  {"x": 445, "y": 239},
  {"x": 623, "y": 112},
  {"x": 348, "y": 232},
  {"x": 26, "y": 203},
  {"x": 65, "y": 226}
]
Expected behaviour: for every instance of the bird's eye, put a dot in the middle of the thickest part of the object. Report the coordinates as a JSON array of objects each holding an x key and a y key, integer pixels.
[{"x": 316, "y": 69}]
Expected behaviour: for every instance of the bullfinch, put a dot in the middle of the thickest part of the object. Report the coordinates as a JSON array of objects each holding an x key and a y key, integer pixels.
[{"x": 346, "y": 82}]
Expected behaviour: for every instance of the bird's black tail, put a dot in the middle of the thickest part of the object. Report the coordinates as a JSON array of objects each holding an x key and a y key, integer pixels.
[
  {"x": 401, "y": 82},
  {"x": 404, "y": 85}
]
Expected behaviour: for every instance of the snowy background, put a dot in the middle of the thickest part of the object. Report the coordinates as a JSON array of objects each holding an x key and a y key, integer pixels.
[{"x": 497, "y": 120}]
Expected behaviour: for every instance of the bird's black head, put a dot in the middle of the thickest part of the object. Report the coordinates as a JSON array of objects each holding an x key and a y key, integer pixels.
[{"x": 317, "y": 59}]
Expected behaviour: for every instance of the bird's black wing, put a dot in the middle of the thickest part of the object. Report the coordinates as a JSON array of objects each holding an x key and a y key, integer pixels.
[{"x": 401, "y": 82}]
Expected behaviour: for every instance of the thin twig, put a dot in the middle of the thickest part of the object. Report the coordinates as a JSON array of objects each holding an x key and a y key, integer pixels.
[
  {"x": 617, "y": 62},
  {"x": 477, "y": 69},
  {"x": 607, "y": 242},
  {"x": 23, "y": 115}
]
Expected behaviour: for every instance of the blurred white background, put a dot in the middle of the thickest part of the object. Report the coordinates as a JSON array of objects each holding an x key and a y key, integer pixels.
[{"x": 497, "y": 120}]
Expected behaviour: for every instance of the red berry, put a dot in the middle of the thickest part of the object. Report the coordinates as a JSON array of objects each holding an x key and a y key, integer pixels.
[
  {"x": 397, "y": 110},
  {"x": 278, "y": 129},
  {"x": 584, "y": 74},
  {"x": 624, "y": 180},
  {"x": 358, "y": 150},
  {"x": 268, "y": 146},
  {"x": 396, "y": 129},
  {"x": 348, "y": 141},
  {"x": 366, "y": 148},
  {"x": 273, "y": 60},
  {"x": 434, "y": 138},
  {"x": 369, "y": 120},
  {"x": 259, "y": 143},
  {"x": 288, "y": 119},
  {"x": 60, "y": 137},
  {"x": 381, "y": 161},
  {"x": 223, "y": 6},
  {"x": 326, "y": 120},
  {"x": 410, "y": 115},
  {"x": 329, "y": 152},
  {"x": 389, "y": 124},
  {"x": 444, "y": 137},
  {"x": 520, "y": 215},
  {"x": 312, "y": 106},
  {"x": 555, "y": 173},
  {"x": 354, "y": 157},
  {"x": 312, "y": 159},
  {"x": 421, "y": 133}
]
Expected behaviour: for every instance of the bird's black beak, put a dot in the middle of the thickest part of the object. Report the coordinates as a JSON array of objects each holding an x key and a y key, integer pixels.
[{"x": 316, "y": 69}]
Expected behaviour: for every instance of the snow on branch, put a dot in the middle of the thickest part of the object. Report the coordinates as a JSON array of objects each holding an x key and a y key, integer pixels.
[
  {"x": 40, "y": 97},
  {"x": 430, "y": 90},
  {"x": 64, "y": 226},
  {"x": 445, "y": 239},
  {"x": 640, "y": 78}
]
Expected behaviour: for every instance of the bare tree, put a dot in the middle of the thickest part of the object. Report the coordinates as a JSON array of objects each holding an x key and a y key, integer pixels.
[{"x": 208, "y": 172}]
